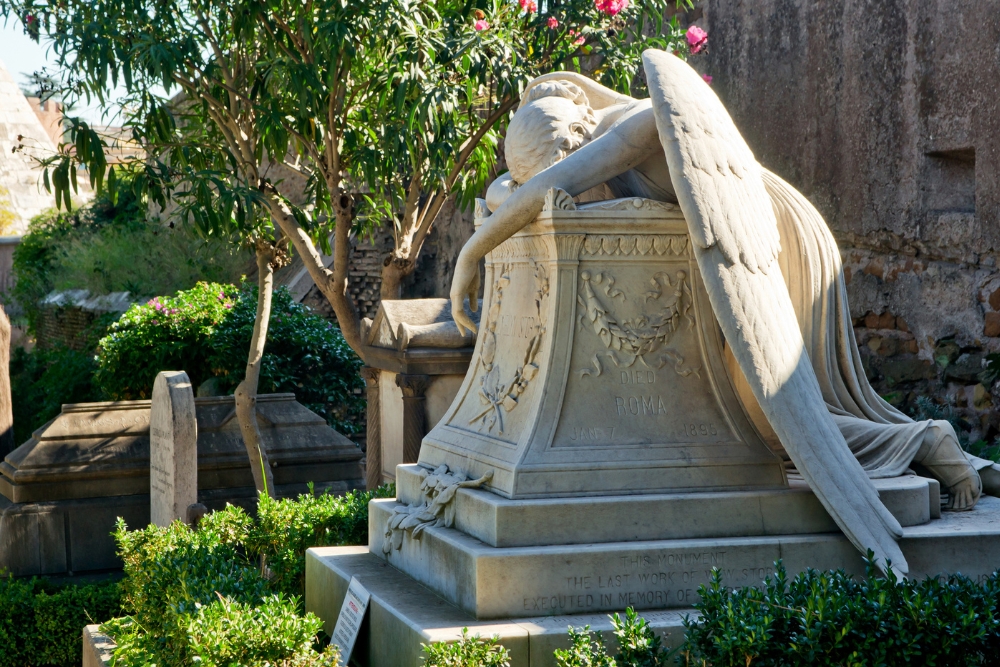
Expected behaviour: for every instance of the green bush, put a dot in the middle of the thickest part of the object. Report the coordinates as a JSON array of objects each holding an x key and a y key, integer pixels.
[
  {"x": 113, "y": 247},
  {"x": 638, "y": 645},
  {"x": 286, "y": 528},
  {"x": 42, "y": 624},
  {"x": 199, "y": 597},
  {"x": 166, "y": 333},
  {"x": 467, "y": 652},
  {"x": 305, "y": 354},
  {"x": 830, "y": 618},
  {"x": 42, "y": 380},
  {"x": 206, "y": 332}
]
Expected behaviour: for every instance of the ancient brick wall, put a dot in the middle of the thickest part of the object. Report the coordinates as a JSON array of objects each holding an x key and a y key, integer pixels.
[{"x": 886, "y": 115}]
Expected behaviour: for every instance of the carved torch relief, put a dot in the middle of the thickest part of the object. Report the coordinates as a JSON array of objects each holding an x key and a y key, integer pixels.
[{"x": 511, "y": 344}]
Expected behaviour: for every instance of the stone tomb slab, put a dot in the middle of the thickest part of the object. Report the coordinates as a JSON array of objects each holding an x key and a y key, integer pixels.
[
  {"x": 403, "y": 615},
  {"x": 491, "y": 583}
]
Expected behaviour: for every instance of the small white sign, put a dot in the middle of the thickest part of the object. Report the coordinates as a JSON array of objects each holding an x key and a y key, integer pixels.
[{"x": 349, "y": 622}]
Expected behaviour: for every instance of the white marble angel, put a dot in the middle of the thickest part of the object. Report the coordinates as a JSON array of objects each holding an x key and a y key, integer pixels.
[{"x": 771, "y": 267}]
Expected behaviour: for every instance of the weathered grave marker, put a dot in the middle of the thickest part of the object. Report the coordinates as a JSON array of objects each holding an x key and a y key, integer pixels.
[{"x": 173, "y": 449}]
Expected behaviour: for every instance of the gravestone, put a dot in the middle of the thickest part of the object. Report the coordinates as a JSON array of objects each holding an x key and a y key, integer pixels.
[{"x": 173, "y": 448}]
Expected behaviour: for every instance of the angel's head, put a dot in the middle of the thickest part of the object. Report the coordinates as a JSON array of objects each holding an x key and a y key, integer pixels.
[{"x": 554, "y": 119}]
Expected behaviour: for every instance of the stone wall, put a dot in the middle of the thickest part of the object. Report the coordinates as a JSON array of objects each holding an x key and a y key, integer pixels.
[
  {"x": 886, "y": 115},
  {"x": 432, "y": 277}
]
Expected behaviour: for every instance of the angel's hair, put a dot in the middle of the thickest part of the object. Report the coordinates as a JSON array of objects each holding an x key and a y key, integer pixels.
[{"x": 543, "y": 131}]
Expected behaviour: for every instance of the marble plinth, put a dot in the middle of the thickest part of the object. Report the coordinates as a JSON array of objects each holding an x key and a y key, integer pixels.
[
  {"x": 599, "y": 366},
  {"x": 509, "y": 582}
]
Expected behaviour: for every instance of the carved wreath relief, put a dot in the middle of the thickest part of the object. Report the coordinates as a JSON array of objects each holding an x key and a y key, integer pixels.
[
  {"x": 498, "y": 391},
  {"x": 645, "y": 336}
]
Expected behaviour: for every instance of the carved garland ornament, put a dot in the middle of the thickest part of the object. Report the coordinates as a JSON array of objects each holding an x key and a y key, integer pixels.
[
  {"x": 437, "y": 509},
  {"x": 500, "y": 396},
  {"x": 644, "y": 336}
]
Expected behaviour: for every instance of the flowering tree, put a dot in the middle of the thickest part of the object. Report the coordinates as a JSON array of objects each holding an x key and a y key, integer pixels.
[{"x": 382, "y": 109}]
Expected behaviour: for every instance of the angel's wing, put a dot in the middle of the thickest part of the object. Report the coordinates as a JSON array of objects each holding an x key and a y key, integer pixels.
[{"x": 720, "y": 189}]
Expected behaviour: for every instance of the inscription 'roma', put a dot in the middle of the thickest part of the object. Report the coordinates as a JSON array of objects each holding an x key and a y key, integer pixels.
[{"x": 636, "y": 406}]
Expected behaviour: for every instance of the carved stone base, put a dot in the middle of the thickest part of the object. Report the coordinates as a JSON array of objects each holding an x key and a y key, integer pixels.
[
  {"x": 501, "y": 522},
  {"x": 515, "y": 582}
]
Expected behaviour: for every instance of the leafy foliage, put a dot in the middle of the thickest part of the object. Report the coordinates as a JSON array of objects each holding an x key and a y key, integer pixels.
[
  {"x": 166, "y": 333},
  {"x": 228, "y": 633},
  {"x": 286, "y": 528},
  {"x": 585, "y": 650},
  {"x": 305, "y": 354},
  {"x": 41, "y": 623},
  {"x": 830, "y": 618},
  {"x": 383, "y": 109},
  {"x": 206, "y": 330},
  {"x": 112, "y": 247},
  {"x": 42, "y": 380},
  {"x": 638, "y": 645},
  {"x": 467, "y": 652},
  {"x": 199, "y": 596}
]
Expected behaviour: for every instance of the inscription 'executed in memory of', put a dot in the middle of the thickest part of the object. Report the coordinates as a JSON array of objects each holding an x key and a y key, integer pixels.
[{"x": 643, "y": 581}]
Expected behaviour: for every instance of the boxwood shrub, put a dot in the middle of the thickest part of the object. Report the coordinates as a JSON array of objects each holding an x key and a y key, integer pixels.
[
  {"x": 41, "y": 623},
  {"x": 831, "y": 618},
  {"x": 230, "y": 592}
]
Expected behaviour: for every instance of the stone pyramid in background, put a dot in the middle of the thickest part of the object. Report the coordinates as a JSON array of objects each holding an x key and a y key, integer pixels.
[{"x": 21, "y": 192}]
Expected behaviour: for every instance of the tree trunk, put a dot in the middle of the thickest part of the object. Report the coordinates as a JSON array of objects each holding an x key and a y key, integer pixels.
[
  {"x": 246, "y": 392},
  {"x": 7, "y": 443},
  {"x": 333, "y": 284},
  {"x": 393, "y": 273}
]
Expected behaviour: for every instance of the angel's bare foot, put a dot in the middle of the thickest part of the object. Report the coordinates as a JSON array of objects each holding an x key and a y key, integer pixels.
[
  {"x": 964, "y": 495},
  {"x": 944, "y": 459},
  {"x": 990, "y": 477}
]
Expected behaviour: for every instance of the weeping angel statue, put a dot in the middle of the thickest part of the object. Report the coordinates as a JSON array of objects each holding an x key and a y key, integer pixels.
[{"x": 771, "y": 268}]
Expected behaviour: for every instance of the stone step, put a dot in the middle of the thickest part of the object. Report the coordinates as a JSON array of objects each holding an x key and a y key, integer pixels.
[
  {"x": 402, "y": 615},
  {"x": 490, "y": 583},
  {"x": 501, "y": 522}
]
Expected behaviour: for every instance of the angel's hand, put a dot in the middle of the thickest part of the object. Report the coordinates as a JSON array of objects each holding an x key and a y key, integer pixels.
[{"x": 465, "y": 283}]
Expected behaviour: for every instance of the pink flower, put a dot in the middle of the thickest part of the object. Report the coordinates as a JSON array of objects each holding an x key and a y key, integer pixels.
[
  {"x": 707, "y": 78},
  {"x": 482, "y": 25},
  {"x": 697, "y": 38},
  {"x": 579, "y": 40},
  {"x": 611, "y": 7},
  {"x": 528, "y": 5},
  {"x": 553, "y": 22}
]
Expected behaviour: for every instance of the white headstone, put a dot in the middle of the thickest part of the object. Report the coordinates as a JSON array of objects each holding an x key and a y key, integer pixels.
[{"x": 173, "y": 449}]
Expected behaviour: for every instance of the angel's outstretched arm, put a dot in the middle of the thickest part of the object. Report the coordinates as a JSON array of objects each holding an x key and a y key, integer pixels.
[{"x": 627, "y": 144}]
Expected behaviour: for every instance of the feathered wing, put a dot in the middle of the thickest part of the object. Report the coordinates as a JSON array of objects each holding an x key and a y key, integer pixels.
[{"x": 735, "y": 236}]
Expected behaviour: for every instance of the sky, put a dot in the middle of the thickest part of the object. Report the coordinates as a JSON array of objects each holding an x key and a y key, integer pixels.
[{"x": 21, "y": 56}]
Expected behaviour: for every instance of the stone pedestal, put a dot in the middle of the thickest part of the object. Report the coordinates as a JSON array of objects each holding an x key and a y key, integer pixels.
[{"x": 599, "y": 367}]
